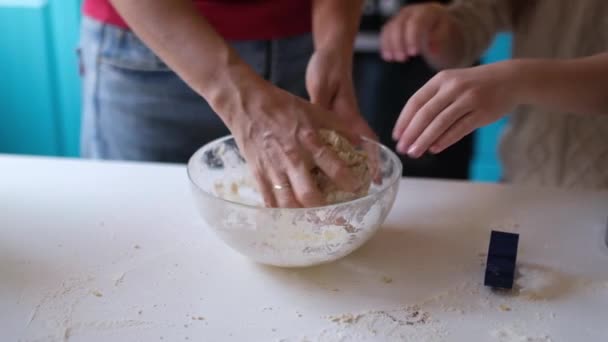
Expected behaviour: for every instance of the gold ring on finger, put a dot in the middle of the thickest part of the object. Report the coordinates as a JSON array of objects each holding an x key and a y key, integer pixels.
[{"x": 281, "y": 186}]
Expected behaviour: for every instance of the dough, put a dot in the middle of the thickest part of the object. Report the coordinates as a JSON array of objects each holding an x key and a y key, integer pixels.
[
  {"x": 244, "y": 190},
  {"x": 357, "y": 162}
]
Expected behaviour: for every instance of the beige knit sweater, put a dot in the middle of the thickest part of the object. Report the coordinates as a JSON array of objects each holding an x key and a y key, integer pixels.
[{"x": 538, "y": 146}]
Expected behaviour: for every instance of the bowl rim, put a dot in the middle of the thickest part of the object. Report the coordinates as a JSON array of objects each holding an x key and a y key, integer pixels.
[{"x": 395, "y": 178}]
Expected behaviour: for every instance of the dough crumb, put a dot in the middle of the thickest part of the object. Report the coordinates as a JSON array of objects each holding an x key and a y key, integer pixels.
[
  {"x": 347, "y": 318},
  {"x": 96, "y": 293},
  {"x": 234, "y": 188},
  {"x": 504, "y": 307},
  {"x": 387, "y": 279}
]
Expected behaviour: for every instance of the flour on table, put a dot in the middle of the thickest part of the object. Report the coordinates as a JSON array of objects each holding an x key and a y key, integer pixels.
[
  {"x": 119, "y": 279},
  {"x": 512, "y": 334},
  {"x": 403, "y": 324},
  {"x": 536, "y": 282}
]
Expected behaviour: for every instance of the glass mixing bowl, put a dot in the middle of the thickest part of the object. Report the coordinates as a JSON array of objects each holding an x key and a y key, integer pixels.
[{"x": 226, "y": 198}]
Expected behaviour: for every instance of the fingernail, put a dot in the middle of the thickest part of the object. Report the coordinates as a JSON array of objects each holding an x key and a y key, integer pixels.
[
  {"x": 414, "y": 151},
  {"x": 413, "y": 51},
  {"x": 400, "y": 56},
  {"x": 434, "y": 149}
]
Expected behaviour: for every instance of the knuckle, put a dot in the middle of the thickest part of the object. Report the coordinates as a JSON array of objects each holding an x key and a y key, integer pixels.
[
  {"x": 308, "y": 136},
  {"x": 454, "y": 85},
  {"x": 405, "y": 12},
  {"x": 292, "y": 154},
  {"x": 443, "y": 120},
  {"x": 309, "y": 196},
  {"x": 473, "y": 96},
  {"x": 452, "y": 80},
  {"x": 321, "y": 153},
  {"x": 443, "y": 76},
  {"x": 414, "y": 104},
  {"x": 390, "y": 26},
  {"x": 476, "y": 93},
  {"x": 341, "y": 171},
  {"x": 418, "y": 17},
  {"x": 467, "y": 125}
]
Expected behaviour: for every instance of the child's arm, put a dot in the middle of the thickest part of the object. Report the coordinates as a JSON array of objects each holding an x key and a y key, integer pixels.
[
  {"x": 447, "y": 36},
  {"x": 575, "y": 85},
  {"x": 456, "y": 102}
]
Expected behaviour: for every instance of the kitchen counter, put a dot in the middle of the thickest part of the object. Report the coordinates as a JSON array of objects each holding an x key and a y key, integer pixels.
[{"x": 109, "y": 251}]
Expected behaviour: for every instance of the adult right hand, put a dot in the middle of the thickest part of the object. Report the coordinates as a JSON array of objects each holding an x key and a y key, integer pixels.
[
  {"x": 277, "y": 133},
  {"x": 427, "y": 30}
]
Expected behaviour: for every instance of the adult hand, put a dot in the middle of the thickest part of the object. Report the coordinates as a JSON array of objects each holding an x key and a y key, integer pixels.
[
  {"x": 329, "y": 83},
  {"x": 278, "y": 136},
  {"x": 428, "y": 30},
  {"x": 453, "y": 104}
]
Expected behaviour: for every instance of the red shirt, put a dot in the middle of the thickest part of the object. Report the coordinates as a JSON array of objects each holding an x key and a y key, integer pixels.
[{"x": 233, "y": 19}]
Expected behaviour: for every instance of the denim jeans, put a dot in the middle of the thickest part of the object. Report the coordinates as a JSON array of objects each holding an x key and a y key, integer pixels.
[{"x": 136, "y": 108}]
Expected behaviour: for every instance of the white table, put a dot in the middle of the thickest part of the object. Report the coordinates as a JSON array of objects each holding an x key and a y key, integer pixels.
[{"x": 98, "y": 251}]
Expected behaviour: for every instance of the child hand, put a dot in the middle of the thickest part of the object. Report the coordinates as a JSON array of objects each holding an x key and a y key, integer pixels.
[
  {"x": 425, "y": 29},
  {"x": 453, "y": 104}
]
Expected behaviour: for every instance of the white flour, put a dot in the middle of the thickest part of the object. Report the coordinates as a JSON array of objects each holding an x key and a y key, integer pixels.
[
  {"x": 403, "y": 324},
  {"x": 512, "y": 334},
  {"x": 522, "y": 315},
  {"x": 536, "y": 282},
  {"x": 300, "y": 238},
  {"x": 292, "y": 237}
]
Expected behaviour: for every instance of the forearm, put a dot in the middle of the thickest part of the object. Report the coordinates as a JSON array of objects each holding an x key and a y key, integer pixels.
[
  {"x": 184, "y": 40},
  {"x": 575, "y": 85},
  {"x": 335, "y": 25},
  {"x": 479, "y": 21}
]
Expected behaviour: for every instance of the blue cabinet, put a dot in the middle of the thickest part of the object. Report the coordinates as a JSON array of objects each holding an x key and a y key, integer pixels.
[{"x": 39, "y": 91}]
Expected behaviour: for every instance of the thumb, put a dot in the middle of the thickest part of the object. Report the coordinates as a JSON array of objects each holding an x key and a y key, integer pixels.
[{"x": 320, "y": 95}]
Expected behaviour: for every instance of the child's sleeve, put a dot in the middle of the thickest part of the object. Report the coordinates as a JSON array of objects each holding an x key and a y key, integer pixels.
[{"x": 480, "y": 21}]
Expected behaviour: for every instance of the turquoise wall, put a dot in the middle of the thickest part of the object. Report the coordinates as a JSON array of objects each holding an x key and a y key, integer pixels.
[
  {"x": 40, "y": 89},
  {"x": 486, "y": 166}
]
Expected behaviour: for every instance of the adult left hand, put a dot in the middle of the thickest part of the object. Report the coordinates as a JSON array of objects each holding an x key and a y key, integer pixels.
[{"x": 329, "y": 83}]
